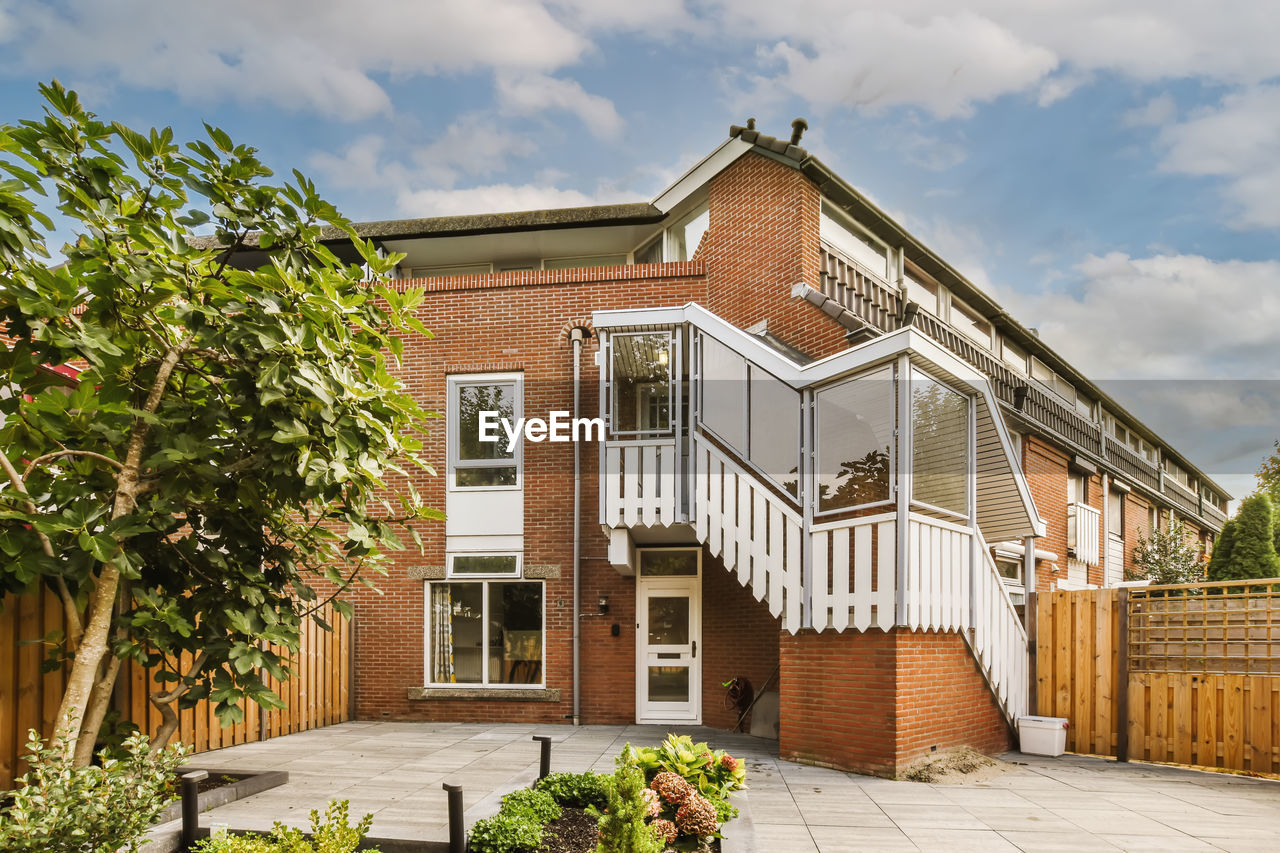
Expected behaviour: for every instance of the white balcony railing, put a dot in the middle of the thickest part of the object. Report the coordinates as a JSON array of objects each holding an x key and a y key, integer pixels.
[
  {"x": 854, "y": 580},
  {"x": 639, "y": 485},
  {"x": 1083, "y": 522},
  {"x": 998, "y": 638}
]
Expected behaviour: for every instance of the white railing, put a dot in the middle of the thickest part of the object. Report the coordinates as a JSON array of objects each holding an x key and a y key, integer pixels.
[
  {"x": 998, "y": 639},
  {"x": 751, "y": 529},
  {"x": 1084, "y": 524},
  {"x": 854, "y": 580},
  {"x": 639, "y": 483},
  {"x": 937, "y": 593}
]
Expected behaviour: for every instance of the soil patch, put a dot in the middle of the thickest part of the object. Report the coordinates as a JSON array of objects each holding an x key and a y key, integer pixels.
[
  {"x": 956, "y": 767},
  {"x": 574, "y": 832}
]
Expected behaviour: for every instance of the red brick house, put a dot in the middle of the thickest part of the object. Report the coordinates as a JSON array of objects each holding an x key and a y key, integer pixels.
[{"x": 824, "y": 462}]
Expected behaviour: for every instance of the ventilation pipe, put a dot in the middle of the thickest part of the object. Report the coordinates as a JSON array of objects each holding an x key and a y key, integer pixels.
[{"x": 577, "y": 335}]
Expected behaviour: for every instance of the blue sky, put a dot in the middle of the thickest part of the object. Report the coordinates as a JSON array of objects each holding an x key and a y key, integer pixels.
[{"x": 1111, "y": 172}]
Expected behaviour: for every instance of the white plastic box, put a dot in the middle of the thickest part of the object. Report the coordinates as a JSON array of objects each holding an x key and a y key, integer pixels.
[{"x": 1042, "y": 735}]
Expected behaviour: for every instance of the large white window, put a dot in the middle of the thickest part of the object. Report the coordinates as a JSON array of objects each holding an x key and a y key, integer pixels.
[
  {"x": 724, "y": 393},
  {"x": 485, "y": 633},
  {"x": 922, "y": 290},
  {"x": 846, "y": 237},
  {"x": 940, "y": 445},
  {"x": 855, "y": 423},
  {"x": 477, "y": 402},
  {"x": 684, "y": 237},
  {"x": 640, "y": 379},
  {"x": 972, "y": 324},
  {"x": 1014, "y": 356}
]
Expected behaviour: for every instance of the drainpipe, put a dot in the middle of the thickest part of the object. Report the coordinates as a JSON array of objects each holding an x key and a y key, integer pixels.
[{"x": 576, "y": 336}]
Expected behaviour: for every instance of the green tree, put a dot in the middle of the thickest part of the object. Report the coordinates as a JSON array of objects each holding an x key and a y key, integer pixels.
[
  {"x": 1269, "y": 476},
  {"x": 221, "y": 460},
  {"x": 1167, "y": 556},
  {"x": 1222, "y": 550},
  {"x": 1253, "y": 550}
]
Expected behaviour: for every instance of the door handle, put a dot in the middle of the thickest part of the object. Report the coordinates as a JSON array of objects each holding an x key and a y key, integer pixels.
[{"x": 695, "y": 649}]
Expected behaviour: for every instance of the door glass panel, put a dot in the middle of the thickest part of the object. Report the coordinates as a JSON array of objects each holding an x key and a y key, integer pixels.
[
  {"x": 668, "y": 684},
  {"x": 668, "y": 563},
  {"x": 669, "y": 620}
]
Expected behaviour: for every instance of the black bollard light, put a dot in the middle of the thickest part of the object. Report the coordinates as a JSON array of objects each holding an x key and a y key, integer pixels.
[
  {"x": 457, "y": 828},
  {"x": 544, "y": 761},
  {"x": 191, "y": 806}
]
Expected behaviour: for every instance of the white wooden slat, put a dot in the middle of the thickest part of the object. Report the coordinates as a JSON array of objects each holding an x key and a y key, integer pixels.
[
  {"x": 886, "y": 573},
  {"x": 649, "y": 484},
  {"x": 744, "y": 548},
  {"x": 667, "y": 484},
  {"x": 612, "y": 484},
  {"x": 759, "y": 543},
  {"x": 777, "y": 561},
  {"x": 701, "y": 498},
  {"x": 728, "y": 517},
  {"x": 840, "y": 579},
  {"x": 862, "y": 577},
  {"x": 792, "y": 574},
  {"x": 818, "y": 582},
  {"x": 715, "y": 482},
  {"x": 937, "y": 548},
  {"x": 918, "y": 539},
  {"x": 630, "y": 486}
]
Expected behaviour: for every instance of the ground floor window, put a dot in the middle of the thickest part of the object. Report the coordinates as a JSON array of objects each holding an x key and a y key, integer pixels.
[{"x": 485, "y": 633}]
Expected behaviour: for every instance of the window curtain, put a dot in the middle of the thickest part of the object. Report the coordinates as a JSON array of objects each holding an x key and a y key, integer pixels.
[{"x": 442, "y": 635}]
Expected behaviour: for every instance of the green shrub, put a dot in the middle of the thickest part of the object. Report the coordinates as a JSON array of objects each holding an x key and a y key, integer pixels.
[
  {"x": 1253, "y": 548},
  {"x": 623, "y": 827},
  {"x": 714, "y": 773},
  {"x": 539, "y": 805},
  {"x": 506, "y": 832},
  {"x": 574, "y": 790},
  {"x": 61, "y": 808},
  {"x": 331, "y": 834}
]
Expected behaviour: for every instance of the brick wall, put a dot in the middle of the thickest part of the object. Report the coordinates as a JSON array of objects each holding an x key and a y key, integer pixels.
[
  {"x": 739, "y": 637},
  {"x": 1046, "y": 470},
  {"x": 875, "y": 702}
]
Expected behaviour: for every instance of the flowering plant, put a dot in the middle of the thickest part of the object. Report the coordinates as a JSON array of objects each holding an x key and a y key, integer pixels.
[{"x": 713, "y": 773}]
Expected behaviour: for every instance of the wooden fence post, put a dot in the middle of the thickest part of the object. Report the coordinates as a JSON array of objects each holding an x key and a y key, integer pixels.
[{"x": 1122, "y": 680}]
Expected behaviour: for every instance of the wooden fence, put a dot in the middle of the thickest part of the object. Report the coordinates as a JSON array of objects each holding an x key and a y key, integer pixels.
[
  {"x": 1185, "y": 674},
  {"x": 317, "y": 695}
]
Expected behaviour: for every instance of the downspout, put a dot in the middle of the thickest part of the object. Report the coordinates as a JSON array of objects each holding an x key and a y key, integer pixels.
[{"x": 576, "y": 336}]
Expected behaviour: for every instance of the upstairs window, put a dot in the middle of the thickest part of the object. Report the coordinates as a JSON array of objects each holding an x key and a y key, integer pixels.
[
  {"x": 939, "y": 445},
  {"x": 477, "y": 405},
  {"x": 855, "y": 423},
  {"x": 640, "y": 384},
  {"x": 970, "y": 323},
  {"x": 684, "y": 237},
  {"x": 837, "y": 229},
  {"x": 1014, "y": 356}
]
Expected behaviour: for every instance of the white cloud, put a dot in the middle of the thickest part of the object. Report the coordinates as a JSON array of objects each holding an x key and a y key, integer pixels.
[
  {"x": 1061, "y": 86},
  {"x": 530, "y": 94},
  {"x": 498, "y": 198},
  {"x": 1165, "y": 317},
  {"x": 1156, "y": 112},
  {"x": 1238, "y": 140},
  {"x": 318, "y": 55}
]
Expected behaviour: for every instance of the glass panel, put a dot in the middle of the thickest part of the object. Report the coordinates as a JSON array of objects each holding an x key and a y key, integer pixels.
[
  {"x": 457, "y": 633},
  {"x": 1014, "y": 356},
  {"x": 970, "y": 322},
  {"x": 855, "y": 430},
  {"x": 668, "y": 684},
  {"x": 854, "y": 244},
  {"x": 651, "y": 253},
  {"x": 472, "y": 477},
  {"x": 1010, "y": 569},
  {"x": 485, "y": 564},
  {"x": 641, "y": 376},
  {"x": 922, "y": 291},
  {"x": 724, "y": 392},
  {"x": 775, "y": 429},
  {"x": 474, "y": 399},
  {"x": 668, "y": 563},
  {"x": 940, "y": 444},
  {"x": 684, "y": 237},
  {"x": 515, "y": 633},
  {"x": 669, "y": 620},
  {"x": 1115, "y": 514}
]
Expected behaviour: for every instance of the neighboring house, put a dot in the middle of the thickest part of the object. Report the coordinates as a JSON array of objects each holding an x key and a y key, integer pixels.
[{"x": 831, "y": 466}]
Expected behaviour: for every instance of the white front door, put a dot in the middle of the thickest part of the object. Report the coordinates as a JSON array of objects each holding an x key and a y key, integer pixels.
[{"x": 668, "y": 633}]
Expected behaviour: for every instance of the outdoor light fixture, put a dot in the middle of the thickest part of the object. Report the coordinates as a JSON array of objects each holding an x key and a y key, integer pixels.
[{"x": 603, "y": 604}]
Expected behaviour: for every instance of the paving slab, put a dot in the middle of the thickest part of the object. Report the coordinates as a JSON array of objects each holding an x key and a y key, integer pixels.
[{"x": 395, "y": 770}]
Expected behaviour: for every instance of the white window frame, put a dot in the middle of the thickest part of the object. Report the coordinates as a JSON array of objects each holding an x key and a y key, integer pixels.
[
  {"x": 958, "y": 305},
  {"x": 452, "y": 425},
  {"x": 673, "y": 342},
  {"x": 668, "y": 235},
  {"x": 816, "y": 464},
  {"x": 842, "y": 219},
  {"x": 451, "y": 574},
  {"x": 484, "y": 683},
  {"x": 1022, "y": 367}
]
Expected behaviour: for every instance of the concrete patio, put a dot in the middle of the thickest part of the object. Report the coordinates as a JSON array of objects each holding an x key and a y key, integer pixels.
[{"x": 1073, "y": 803}]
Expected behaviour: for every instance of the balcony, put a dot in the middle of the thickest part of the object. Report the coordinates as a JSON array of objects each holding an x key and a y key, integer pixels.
[
  {"x": 854, "y": 493},
  {"x": 1083, "y": 525}
]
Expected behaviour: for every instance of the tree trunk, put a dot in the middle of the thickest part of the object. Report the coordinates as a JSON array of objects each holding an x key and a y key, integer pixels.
[
  {"x": 93, "y": 647},
  {"x": 99, "y": 703}
]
